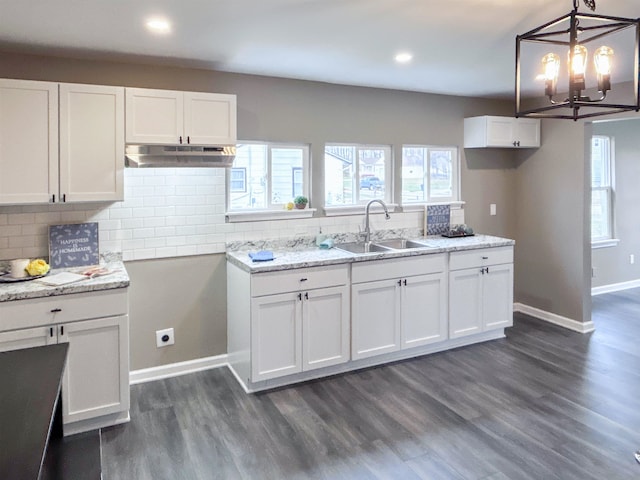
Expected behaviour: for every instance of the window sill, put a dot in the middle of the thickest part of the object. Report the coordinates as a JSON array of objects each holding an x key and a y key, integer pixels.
[
  {"x": 611, "y": 242},
  {"x": 356, "y": 209},
  {"x": 419, "y": 207},
  {"x": 262, "y": 215}
]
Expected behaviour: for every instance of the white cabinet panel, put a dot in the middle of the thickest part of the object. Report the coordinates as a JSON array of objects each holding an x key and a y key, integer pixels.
[
  {"x": 325, "y": 327},
  {"x": 527, "y": 132},
  {"x": 276, "y": 335},
  {"x": 424, "y": 310},
  {"x": 96, "y": 378},
  {"x": 210, "y": 118},
  {"x": 501, "y": 132},
  {"x": 28, "y": 141},
  {"x": 91, "y": 143},
  {"x": 154, "y": 116},
  {"x": 27, "y": 338},
  {"x": 465, "y": 302},
  {"x": 498, "y": 297},
  {"x": 375, "y": 318}
]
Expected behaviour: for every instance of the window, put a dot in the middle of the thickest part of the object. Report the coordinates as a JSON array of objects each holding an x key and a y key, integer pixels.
[
  {"x": 601, "y": 188},
  {"x": 267, "y": 176},
  {"x": 356, "y": 174},
  {"x": 429, "y": 174}
]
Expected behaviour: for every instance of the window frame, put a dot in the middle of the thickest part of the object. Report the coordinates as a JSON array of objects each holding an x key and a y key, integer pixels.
[
  {"x": 270, "y": 205},
  {"x": 233, "y": 170},
  {"x": 455, "y": 175},
  {"x": 355, "y": 178},
  {"x": 609, "y": 189}
]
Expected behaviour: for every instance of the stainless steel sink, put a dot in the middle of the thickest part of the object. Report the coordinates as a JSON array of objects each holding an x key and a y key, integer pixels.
[
  {"x": 362, "y": 247},
  {"x": 401, "y": 244}
]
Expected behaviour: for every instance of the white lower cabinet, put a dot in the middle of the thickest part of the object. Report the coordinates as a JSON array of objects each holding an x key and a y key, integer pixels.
[
  {"x": 480, "y": 291},
  {"x": 95, "y": 385},
  {"x": 400, "y": 312},
  {"x": 296, "y": 329}
]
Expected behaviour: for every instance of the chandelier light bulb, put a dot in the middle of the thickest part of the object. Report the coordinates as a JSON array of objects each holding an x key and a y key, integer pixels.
[
  {"x": 603, "y": 60},
  {"x": 578, "y": 67},
  {"x": 551, "y": 70}
]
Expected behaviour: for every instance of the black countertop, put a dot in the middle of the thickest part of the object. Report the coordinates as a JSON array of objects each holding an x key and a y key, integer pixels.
[{"x": 30, "y": 382}]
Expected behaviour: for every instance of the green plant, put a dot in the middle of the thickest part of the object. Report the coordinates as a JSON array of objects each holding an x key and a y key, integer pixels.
[{"x": 301, "y": 200}]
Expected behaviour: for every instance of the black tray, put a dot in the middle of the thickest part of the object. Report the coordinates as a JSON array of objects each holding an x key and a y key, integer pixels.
[
  {"x": 8, "y": 279},
  {"x": 456, "y": 235}
]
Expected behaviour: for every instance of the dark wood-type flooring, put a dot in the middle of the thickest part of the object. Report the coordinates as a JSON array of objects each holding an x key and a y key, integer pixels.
[{"x": 544, "y": 403}]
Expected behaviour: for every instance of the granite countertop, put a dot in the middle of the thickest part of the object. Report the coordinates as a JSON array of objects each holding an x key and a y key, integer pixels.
[
  {"x": 34, "y": 289},
  {"x": 285, "y": 258}
]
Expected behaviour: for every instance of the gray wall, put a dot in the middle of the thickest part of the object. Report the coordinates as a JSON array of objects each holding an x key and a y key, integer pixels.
[
  {"x": 611, "y": 264},
  {"x": 290, "y": 110}
]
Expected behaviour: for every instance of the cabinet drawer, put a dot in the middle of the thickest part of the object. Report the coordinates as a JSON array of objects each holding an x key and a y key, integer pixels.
[
  {"x": 73, "y": 307},
  {"x": 398, "y": 268},
  {"x": 480, "y": 257},
  {"x": 298, "y": 279}
]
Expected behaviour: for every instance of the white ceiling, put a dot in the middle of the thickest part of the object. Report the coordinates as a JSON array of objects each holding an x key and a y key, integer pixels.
[{"x": 460, "y": 47}]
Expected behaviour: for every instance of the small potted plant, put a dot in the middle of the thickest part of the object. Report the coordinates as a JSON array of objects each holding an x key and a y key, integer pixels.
[{"x": 300, "y": 202}]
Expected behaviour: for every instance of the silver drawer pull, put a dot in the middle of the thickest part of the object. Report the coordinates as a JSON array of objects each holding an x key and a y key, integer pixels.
[
  {"x": 485, "y": 258},
  {"x": 56, "y": 310},
  {"x": 303, "y": 279}
]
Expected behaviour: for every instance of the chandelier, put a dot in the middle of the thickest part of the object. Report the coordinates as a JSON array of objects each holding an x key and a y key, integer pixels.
[{"x": 579, "y": 89}]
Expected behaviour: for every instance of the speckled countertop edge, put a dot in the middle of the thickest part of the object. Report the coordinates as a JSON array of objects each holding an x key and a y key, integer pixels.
[
  {"x": 285, "y": 259},
  {"x": 34, "y": 289}
]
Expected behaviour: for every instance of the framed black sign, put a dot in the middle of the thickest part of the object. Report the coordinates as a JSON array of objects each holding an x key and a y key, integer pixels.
[{"x": 73, "y": 245}]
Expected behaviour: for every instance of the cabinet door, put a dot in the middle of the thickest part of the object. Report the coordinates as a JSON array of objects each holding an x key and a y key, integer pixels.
[
  {"x": 210, "y": 118},
  {"x": 154, "y": 116},
  {"x": 375, "y": 318},
  {"x": 96, "y": 379},
  {"x": 527, "y": 132},
  {"x": 325, "y": 327},
  {"x": 276, "y": 336},
  {"x": 497, "y": 297},
  {"x": 500, "y": 131},
  {"x": 28, "y": 141},
  {"x": 424, "y": 310},
  {"x": 465, "y": 302},
  {"x": 91, "y": 143},
  {"x": 27, "y": 338}
]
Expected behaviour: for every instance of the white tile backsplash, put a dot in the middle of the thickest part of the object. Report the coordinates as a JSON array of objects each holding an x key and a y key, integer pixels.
[{"x": 169, "y": 213}]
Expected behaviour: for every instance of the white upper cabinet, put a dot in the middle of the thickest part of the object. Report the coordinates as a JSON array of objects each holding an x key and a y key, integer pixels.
[
  {"x": 91, "y": 143},
  {"x": 168, "y": 118},
  {"x": 501, "y": 132},
  {"x": 28, "y": 141}
]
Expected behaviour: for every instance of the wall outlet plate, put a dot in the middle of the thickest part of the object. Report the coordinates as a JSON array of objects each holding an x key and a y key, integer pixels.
[{"x": 165, "y": 337}]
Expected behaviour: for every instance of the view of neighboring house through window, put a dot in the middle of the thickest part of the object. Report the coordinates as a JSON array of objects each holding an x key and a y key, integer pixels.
[
  {"x": 356, "y": 174},
  {"x": 601, "y": 188},
  {"x": 429, "y": 174},
  {"x": 267, "y": 176}
]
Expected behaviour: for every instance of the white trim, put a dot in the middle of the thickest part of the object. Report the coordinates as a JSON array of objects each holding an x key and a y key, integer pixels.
[
  {"x": 581, "y": 327},
  {"x": 357, "y": 209},
  {"x": 610, "y": 242},
  {"x": 615, "y": 287},
  {"x": 177, "y": 369},
  {"x": 419, "y": 207},
  {"x": 260, "y": 215}
]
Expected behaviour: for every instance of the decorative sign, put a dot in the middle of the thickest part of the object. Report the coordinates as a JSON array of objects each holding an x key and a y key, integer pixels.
[
  {"x": 438, "y": 219},
  {"x": 73, "y": 245}
]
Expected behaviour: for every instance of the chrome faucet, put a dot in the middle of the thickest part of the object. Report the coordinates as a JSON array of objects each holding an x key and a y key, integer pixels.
[{"x": 367, "y": 228}]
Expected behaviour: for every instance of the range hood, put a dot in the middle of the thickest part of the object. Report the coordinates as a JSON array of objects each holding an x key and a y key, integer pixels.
[{"x": 179, "y": 156}]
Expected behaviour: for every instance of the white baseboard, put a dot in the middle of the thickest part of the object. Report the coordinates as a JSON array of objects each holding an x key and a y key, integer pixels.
[
  {"x": 615, "y": 287},
  {"x": 176, "y": 369},
  {"x": 559, "y": 320}
]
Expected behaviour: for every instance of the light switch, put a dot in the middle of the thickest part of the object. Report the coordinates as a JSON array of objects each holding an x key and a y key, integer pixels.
[{"x": 492, "y": 209}]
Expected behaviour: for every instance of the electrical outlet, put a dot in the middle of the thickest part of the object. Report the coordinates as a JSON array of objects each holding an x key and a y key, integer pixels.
[
  {"x": 165, "y": 337},
  {"x": 492, "y": 209},
  {"x": 632, "y": 259}
]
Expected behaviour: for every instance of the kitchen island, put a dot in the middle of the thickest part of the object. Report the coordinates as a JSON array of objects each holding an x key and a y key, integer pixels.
[{"x": 311, "y": 312}]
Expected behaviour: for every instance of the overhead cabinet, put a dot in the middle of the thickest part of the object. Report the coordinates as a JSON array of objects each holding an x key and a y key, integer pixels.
[
  {"x": 60, "y": 142},
  {"x": 501, "y": 132},
  {"x": 166, "y": 117}
]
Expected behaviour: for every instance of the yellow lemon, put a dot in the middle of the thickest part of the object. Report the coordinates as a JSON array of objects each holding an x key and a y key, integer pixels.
[{"x": 290, "y": 206}]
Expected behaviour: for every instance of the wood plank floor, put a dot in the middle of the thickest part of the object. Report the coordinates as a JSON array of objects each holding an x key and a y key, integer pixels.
[{"x": 544, "y": 403}]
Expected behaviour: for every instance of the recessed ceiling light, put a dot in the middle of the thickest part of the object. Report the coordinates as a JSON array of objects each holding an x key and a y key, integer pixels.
[
  {"x": 159, "y": 25},
  {"x": 404, "y": 57}
]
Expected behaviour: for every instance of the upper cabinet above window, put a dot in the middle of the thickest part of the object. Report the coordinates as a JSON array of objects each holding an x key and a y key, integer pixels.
[
  {"x": 501, "y": 132},
  {"x": 168, "y": 117}
]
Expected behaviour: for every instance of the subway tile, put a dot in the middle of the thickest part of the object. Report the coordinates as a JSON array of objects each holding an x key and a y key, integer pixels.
[
  {"x": 154, "y": 201},
  {"x": 22, "y": 219},
  {"x": 209, "y": 249},
  {"x": 174, "y": 221},
  {"x": 21, "y": 241},
  {"x": 4, "y": 242},
  {"x": 187, "y": 250},
  {"x": 205, "y": 229},
  {"x": 3, "y": 219},
  {"x": 154, "y": 180},
  {"x": 176, "y": 241},
  {"x": 154, "y": 221},
  {"x": 143, "y": 232},
  {"x": 120, "y": 213},
  {"x": 121, "y": 234},
  {"x": 164, "y": 190},
  {"x": 10, "y": 230},
  {"x": 127, "y": 255},
  {"x": 133, "y": 244},
  {"x": 132, "y": 223},
  {"x": 196, "y": 220},
  {"x": 44, "y": 217},
  {"x": 142, "y": 212},
  {"x": 143, "y": 191},
  {"x": 10, "y": 253},
  {"x": 144, "y": 253},
  {"x": 167, "y": 211},
  {"x": 165, "y": 252},
  {"x": 110, "y": 246},
  {"x": 186, "y": 230},
  {"x": 35, "y": 252},
  {"x": 35, "y": 229},
  {"x": 154, "y": 242}
]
